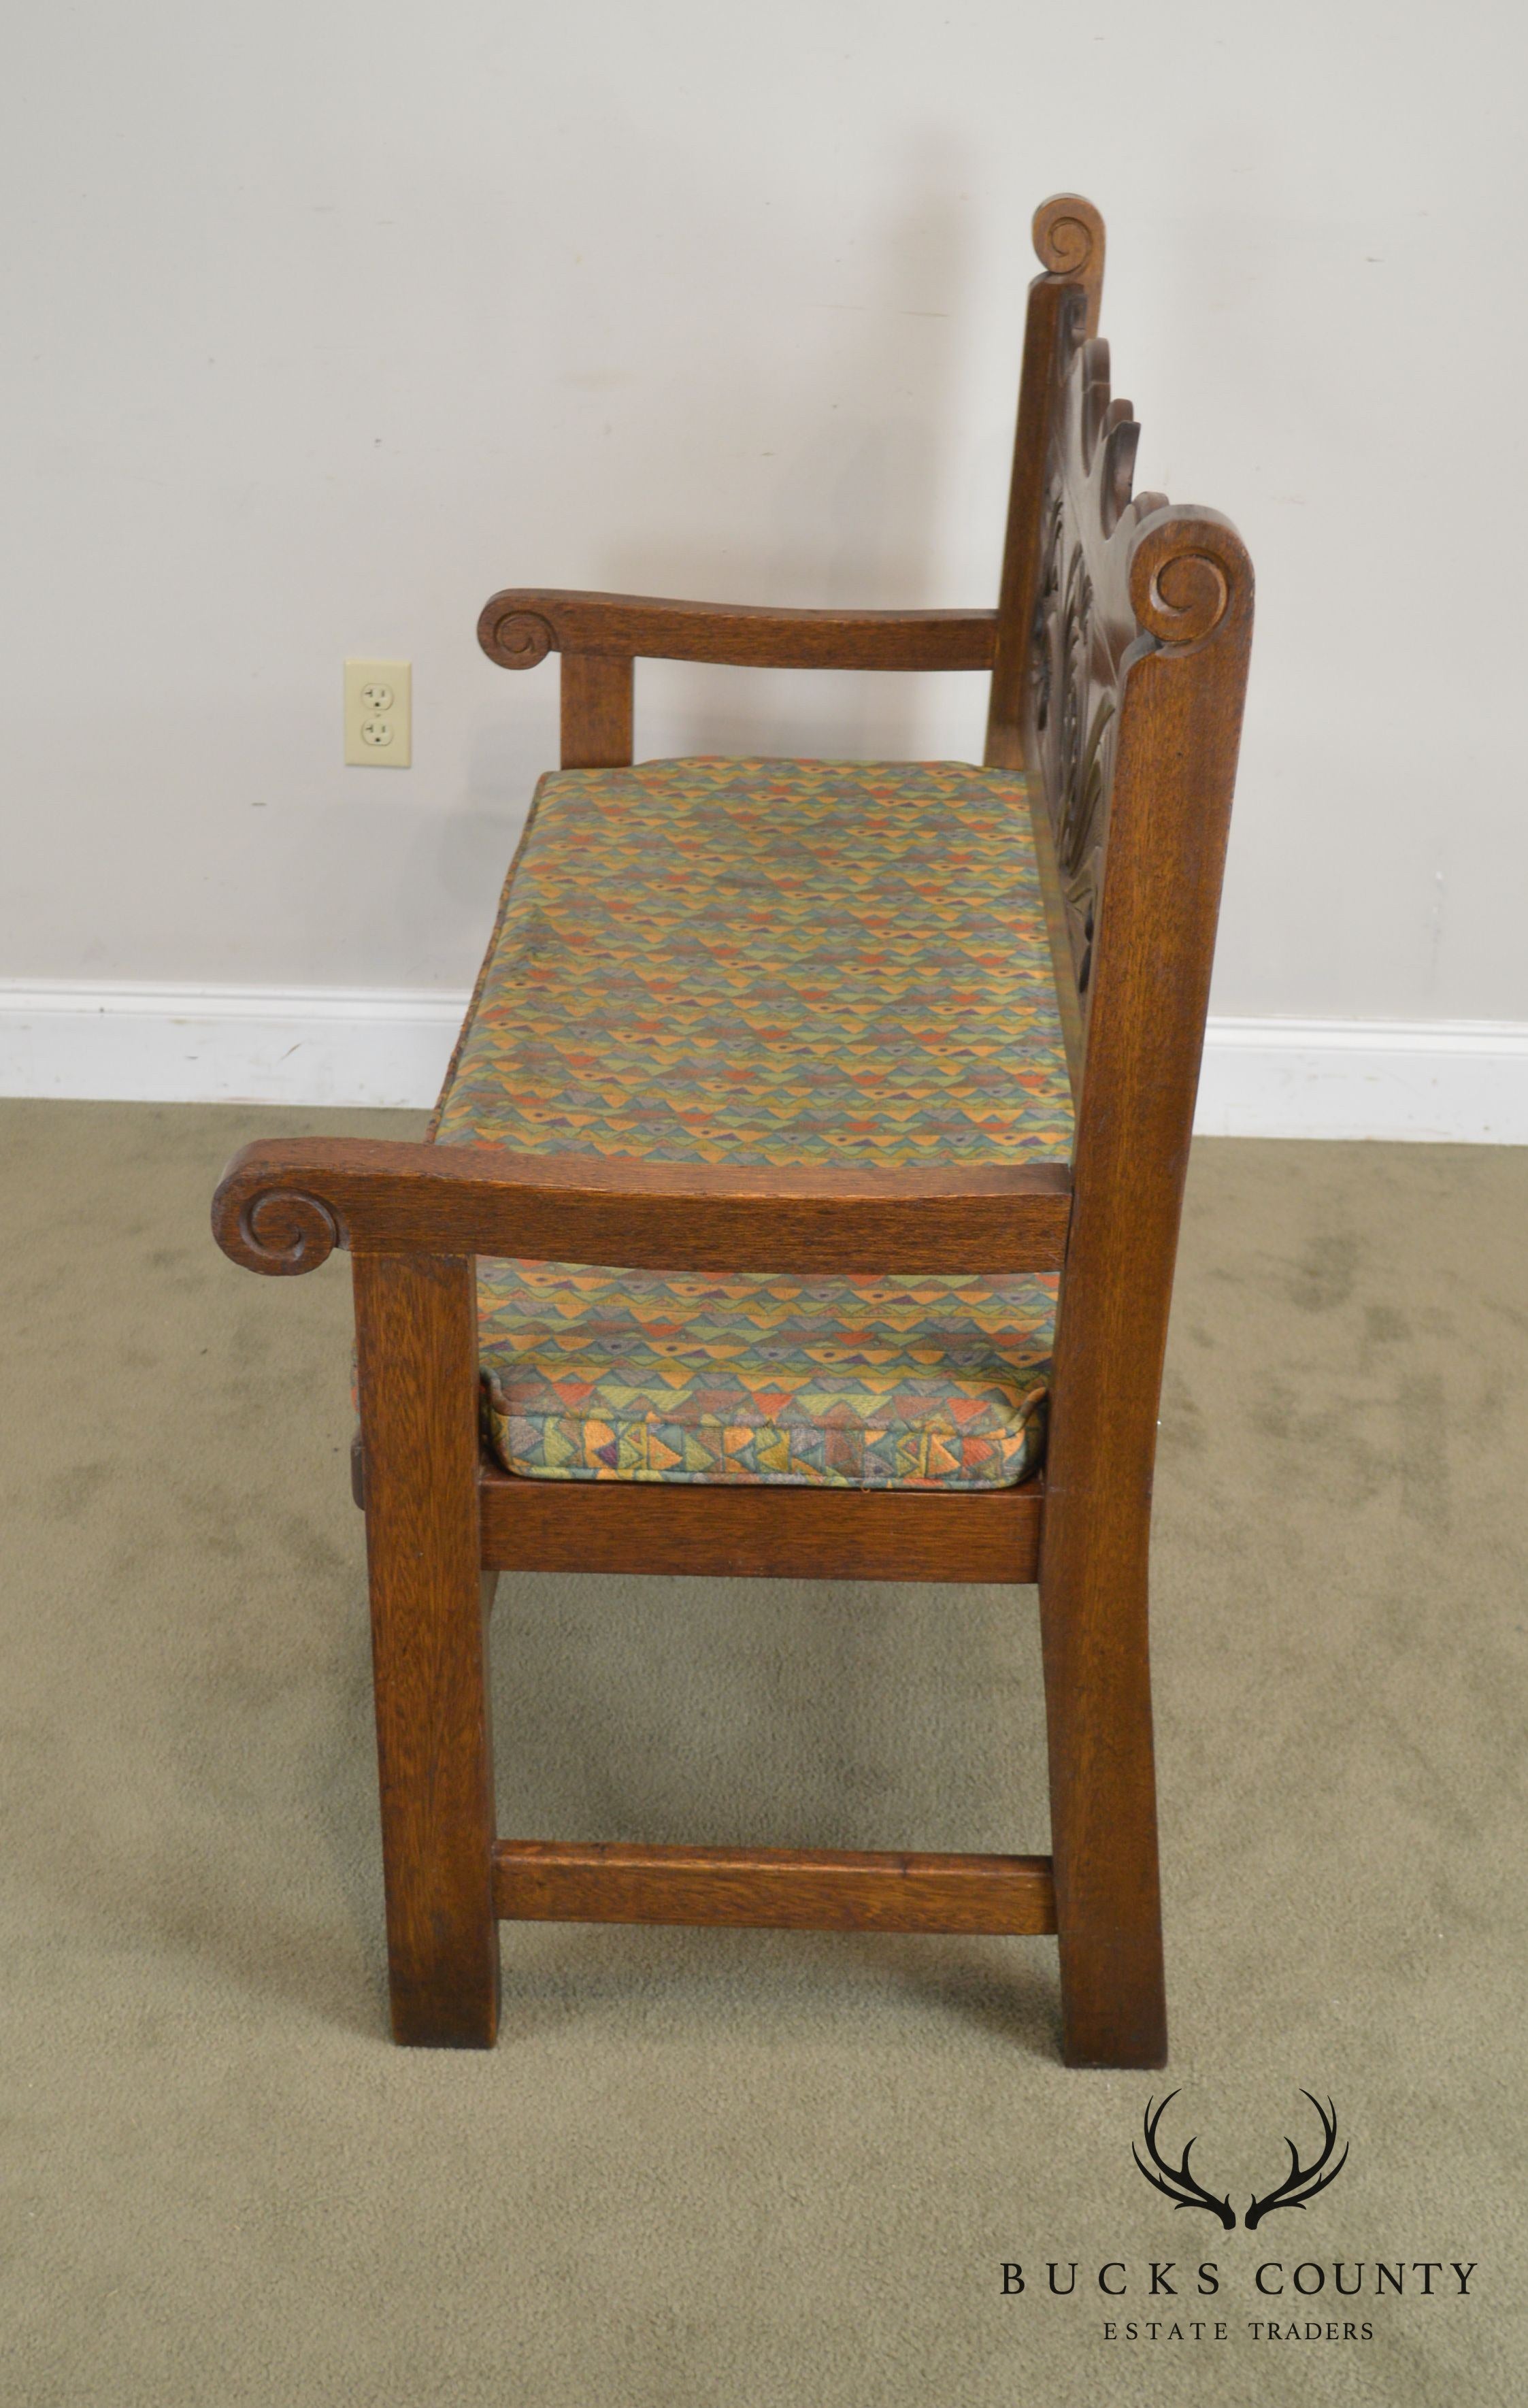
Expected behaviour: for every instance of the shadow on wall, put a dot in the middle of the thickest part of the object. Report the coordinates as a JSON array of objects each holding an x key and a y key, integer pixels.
[
  {"x": 870, "y": 389},
  {"x": 834, "y": 429}
]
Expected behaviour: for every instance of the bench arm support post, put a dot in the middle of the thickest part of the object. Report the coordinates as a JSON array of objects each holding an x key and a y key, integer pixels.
[{"x": 416, "y": 1318}]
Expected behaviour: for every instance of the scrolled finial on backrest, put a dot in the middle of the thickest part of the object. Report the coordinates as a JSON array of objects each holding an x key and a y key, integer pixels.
[
  {"x": 1068, "y": 235},
  {"x": 1183, "y": 572}
]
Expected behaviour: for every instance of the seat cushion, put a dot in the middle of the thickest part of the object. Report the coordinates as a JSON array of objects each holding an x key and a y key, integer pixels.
[
  {"x": 781, "y": 962},
  {"x": 890, "y": 1383}
]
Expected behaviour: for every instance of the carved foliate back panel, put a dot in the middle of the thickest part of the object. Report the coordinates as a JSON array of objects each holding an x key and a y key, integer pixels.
[{"x": 1083, "y": 626}]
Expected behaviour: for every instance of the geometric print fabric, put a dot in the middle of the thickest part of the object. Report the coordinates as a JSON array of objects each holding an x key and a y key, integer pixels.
[
  {"x": 890, "y": 1382},
  {"x": 786, "y": 962},
  {"x": 783, "y": 962}
]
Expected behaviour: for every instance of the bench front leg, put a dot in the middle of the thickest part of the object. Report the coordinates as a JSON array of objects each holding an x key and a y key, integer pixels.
[
  {"x": 1103, "y": 1781},
  {"x": 416, "y": 1347}
]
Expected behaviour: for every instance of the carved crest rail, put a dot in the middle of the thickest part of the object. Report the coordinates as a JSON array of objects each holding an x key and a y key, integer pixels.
[{"x": 1097, "y": 578}]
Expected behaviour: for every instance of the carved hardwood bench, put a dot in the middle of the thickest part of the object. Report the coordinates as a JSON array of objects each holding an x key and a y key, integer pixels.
[{"x": 788, "y": 1090}]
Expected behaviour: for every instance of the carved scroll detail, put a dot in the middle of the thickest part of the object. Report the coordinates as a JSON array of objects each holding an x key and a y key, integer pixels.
[
  {"x": 1178, "y": 596},
  {"x": 1048, "y": 603},
  {"x": 1068, "y": 235},
  {"x": 1076, "y": 727},
  {"x": 1117, "y": 570},
  {"x": 521, "y": 638},
  {"x": 281, "y": 1232}
]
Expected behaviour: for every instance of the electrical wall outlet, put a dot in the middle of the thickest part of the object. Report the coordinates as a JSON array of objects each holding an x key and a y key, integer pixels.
[{"x": 378, "y": 722}]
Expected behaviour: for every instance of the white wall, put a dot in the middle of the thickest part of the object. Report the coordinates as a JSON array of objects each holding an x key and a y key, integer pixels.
[{"x": 324, "y": 320}]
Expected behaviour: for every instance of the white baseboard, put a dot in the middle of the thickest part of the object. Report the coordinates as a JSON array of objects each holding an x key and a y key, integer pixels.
[
  {"x": 1460, "y": 1079},
  {"x": 1464, "y": 1081},
  {"x": 226, "y": 1044}
]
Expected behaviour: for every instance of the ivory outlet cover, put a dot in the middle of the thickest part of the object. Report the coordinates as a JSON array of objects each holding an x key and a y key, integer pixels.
[{"x": 379, "y": 716}]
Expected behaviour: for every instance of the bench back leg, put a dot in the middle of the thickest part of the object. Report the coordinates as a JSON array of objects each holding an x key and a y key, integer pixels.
[
  {"x": 416, "y": 1335},
  {"x": 1094, "y": 1596}
]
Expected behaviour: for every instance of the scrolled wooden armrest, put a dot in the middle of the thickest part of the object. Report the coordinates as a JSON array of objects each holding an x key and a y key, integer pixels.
[
  {"x": 519, "y": 626},
  {"x": 282, "y": 1206}
]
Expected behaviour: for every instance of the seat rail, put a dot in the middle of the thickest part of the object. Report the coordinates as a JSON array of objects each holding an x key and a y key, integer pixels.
[{"x": 760, "y": 1528}]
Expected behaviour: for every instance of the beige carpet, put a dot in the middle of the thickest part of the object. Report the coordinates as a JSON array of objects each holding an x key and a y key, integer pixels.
[{"x": 755, "y": 2168}]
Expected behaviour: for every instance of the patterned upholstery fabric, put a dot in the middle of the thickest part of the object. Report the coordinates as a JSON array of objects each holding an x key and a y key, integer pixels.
[
  {"x": 770, "y": 962},
  {"x": 853, "y": 1382},
  {"x": 783, "y": 962}
]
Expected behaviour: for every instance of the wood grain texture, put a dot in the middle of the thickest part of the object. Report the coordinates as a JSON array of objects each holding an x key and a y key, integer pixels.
[
  {"x": 1085, "y": 633},
  {"x": 1117, "y": 685},
  {"x": 789, "y": 1890},
  {"x": 723, "y": 1530},
  {"x": 417, "y": 1358},
  {"x": 1058, "y": 931},
  {"x": 1190, "y": 591},
  {"x": 282, "y": 1206},
  {"x": 598, "y": 697},
  {"x": 1119, "y": 654},
  {"x": 1008, "y": 702},
  {"x": 521, "y": 626},
  {"x": 1069, "y": 242}
]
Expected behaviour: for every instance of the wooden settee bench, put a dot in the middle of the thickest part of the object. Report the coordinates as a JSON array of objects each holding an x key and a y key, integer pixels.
[{"x": 790, "y": 1095}]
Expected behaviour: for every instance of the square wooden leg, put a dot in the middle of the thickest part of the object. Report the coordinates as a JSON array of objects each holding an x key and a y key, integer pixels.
[
  {"x": 1103, "y": 1794},
  {"x": 416, "y": 1333}
]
